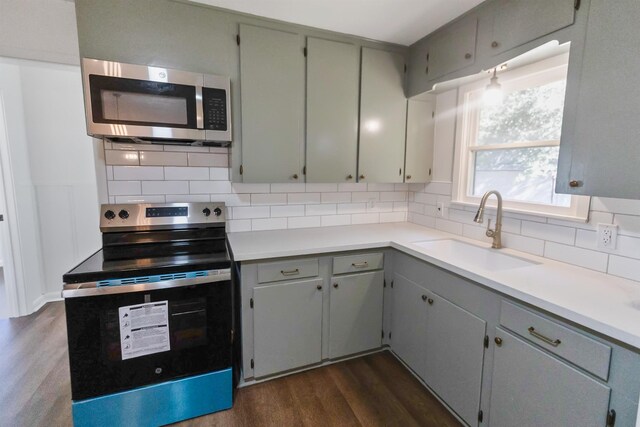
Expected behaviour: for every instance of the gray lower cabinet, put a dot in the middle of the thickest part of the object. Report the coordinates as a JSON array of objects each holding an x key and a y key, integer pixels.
[
  {"x": 355, "y": 318},
  {"x": 333, "y": 77},
  {"x": 420, "y": 138},
  {"x": 531, "y": 388},
  {"x": 383, "y": 112},
  {"x": 454, "y": 356},
  {"x": 273, "y": 102},
  {"x": 287, "y": 326},
  {"x": 408, "y": 319}
]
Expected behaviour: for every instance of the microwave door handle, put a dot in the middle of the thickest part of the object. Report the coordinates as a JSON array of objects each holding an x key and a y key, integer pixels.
[{"x": 199, "y": 108}]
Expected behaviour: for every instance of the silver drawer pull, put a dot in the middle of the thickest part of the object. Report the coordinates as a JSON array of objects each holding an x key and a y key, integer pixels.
[
  {"x": 290, "y": 272},
  {"x": 364, "y": 264},
  {"x": 541, "y": 337}
]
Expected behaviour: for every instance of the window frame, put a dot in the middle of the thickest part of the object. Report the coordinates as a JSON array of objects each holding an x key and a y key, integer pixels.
[{"x": 468, "y": 114}]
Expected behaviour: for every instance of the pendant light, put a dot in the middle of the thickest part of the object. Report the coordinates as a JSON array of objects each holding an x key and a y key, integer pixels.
[{"x": 493, "y": 92}]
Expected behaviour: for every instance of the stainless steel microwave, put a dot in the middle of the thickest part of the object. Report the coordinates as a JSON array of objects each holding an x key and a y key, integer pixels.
[{"x": 155, "y": 104}]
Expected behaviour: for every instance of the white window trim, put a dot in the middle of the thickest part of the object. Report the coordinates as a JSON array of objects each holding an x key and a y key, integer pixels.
[{"x": 543, "y": 72}]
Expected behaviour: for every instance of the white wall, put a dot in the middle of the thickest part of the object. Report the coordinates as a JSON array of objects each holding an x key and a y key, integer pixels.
[
  {"x": 566, "y": 241},
  {"x": 43, "y": 30}
]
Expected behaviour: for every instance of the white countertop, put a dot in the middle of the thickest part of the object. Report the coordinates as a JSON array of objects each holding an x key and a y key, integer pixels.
[{"x": 606, "y": 304}]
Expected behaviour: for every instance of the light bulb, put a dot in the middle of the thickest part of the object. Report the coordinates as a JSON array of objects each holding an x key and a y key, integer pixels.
[{"x": 493, "y": 94}]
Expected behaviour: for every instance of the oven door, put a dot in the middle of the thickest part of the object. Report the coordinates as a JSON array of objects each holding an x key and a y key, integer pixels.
[
  {"x": 124, "y": 100},
  {"x": 198, "y": 338}
]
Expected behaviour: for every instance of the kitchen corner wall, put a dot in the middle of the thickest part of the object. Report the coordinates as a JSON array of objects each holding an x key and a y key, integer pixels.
[
  {"x": 565, "y": 241},
  {"x": 138, "y": 173}
]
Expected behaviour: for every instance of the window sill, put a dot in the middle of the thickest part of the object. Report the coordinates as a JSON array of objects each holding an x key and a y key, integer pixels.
[{"x": 491, "y": 205}]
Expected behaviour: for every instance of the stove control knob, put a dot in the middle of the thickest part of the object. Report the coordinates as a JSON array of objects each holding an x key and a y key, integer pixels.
[
  {"x": 206, "y": 211},
  {"x": 109, "y": 214},
  {"x": 123, "y": 214},
  {"x": 217, "y": 211}
]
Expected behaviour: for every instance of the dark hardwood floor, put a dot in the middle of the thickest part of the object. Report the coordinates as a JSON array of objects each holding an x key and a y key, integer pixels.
[{"x": 374, "y": 390}]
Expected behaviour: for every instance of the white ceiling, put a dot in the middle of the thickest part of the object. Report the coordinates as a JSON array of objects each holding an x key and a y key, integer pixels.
[{"x": 395, "y": 21}]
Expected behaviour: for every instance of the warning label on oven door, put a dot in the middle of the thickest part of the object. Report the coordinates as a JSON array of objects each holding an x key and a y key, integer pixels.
[{"x": 144, "y": 329}]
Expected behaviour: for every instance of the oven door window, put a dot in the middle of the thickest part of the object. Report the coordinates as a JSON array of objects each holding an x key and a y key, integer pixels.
[{"x": 123, "y": 101}]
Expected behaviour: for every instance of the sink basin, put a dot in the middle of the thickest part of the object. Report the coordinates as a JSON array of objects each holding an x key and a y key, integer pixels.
[{"x": 474, "y": 256}]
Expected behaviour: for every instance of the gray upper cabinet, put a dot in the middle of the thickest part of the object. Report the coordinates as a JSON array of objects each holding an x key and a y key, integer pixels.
[
  {"x": 273, "y": 100},
  {"x": 452, "y": 48},
  {"x": 333, "y": 76},
  {"x": 599, "y": 150},
  {"x": 454, "y": 356},
  {"x": 383, "y": 109},
  {"x": 420, "y": 133},
  {"x": 516, "y": 22},
  {"x": 528, "y": 384}
]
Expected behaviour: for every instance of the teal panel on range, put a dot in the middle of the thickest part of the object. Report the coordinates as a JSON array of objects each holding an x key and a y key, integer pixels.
[{"x": 158, "y": 404}]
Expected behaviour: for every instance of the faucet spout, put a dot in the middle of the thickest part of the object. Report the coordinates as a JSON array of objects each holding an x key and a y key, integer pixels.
[{"x": 496, "y": 233}]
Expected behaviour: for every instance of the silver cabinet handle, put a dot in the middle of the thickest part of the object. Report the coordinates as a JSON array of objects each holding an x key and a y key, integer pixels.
[
  {"x": 363, "y": 264},
  {"x": 541, "y": 337},
  {"x": 290, "y": 272}
]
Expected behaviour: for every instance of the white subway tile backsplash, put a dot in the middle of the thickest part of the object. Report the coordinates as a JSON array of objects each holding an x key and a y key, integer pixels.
[
  {"x": 427, "y": 199},
  {"x": 186, "y": 148},
  {"x": 138, "y": 199},
  {"x": 365, "y": 218},
  {"x": 135, "y": 147},
  {"x": 219, "y": 174},
  {"x": 109, "y": 172},
  {"x": 139, "y": 173},
  {"x": 616, "y": 206},
  {"x": 416, "y": 207},
  {"x": 628, "y": 225},
  {"x": 352, "y": 186},
  {"x": 393, "y": 196},
  {"x": 187, "y": 198},
  {"x": 186, "y": 173},
  {"x": 595, "y": 218},
  {"x": 165, "y": 187},
  {"x": 336, "y": 197},
  {"x": 303, "y": 198},
  {"x": 161, "y": 158},
  {"x": 334, "y": 220},
  {"x": 250, "y": 212},
  {"x": 250, "y": 188},
  {"x": 427, "y": 221},
  {"x": 400, "y": 207},
  {"x": 287, "y": 210},
  {"x": 522, "y": 243},
  {"x": 553, "y": 233},
  {"x": 449, "y": 226},
  {"x": 288, "y": 188},
  {"x": 268, "y": 224},
  {"x": 624, "y": 267},
  {"x": 321, "y": 188},
  {"x": 269, "y": 199},
  {"x": 351, "y": 208},
  {"x": 303, "y": 222},
  {"x": 393, "y": 216},
  {"x": 380, "y": 206},
  {"x": 235, "y": 225},
  {"x": 576, "y": 256},
  {"x": 364, "y": 196},
  {"x": 209, "y": 187},
  {"x": 380, "y": 187},
  {"x": 114, "y": 157},
  {"x": 211, "y": 160},
  {"x": 124, "y": 188},
  {"x": 326, "y": 209}
]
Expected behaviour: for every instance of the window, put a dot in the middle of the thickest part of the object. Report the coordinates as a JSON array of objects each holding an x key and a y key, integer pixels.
[{"x": 513, "y": 147}]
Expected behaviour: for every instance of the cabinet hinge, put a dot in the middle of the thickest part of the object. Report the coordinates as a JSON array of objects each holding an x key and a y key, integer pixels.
[
  {"x": 392, "y": 283},
  {"x": 480, "y": 416},
  {"x": 304, "y": 170},
  {"x": 486, "y": 341},
  {"x": 611, "y": 418},
  {"x": 238, "y": 39},
  {"x": 382, "y": 334},
  {"x": 251, "y": 303},
  {"x": 576, "y": 4},
  {"x": 304, "y": 51},
  {"x": 251, "y": 363},
  {"x": 241, "y": 169}
]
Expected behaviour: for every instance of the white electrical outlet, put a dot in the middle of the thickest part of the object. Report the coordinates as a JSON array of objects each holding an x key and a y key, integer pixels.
[
  {"x": 607, "y": 236},
  {"x": 440, "y": 209}
]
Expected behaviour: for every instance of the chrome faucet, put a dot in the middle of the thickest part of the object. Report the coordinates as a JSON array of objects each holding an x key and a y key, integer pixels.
[{"x": 496, "y": 233}]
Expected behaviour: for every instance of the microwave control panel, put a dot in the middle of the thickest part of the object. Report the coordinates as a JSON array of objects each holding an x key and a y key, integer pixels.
[{"x": 215, "y": 108}]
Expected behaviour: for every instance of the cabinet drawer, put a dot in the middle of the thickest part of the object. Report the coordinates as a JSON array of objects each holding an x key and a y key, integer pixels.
[
  {"x": 578, "y": 349},
  {"x": 360, "y": 262},
  {"x": 285, "y": 270}
]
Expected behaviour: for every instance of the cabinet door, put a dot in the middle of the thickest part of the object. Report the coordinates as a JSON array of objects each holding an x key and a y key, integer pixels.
[
  {"x": 517, "y": 22},
  {"x": 383, "y": 112},
  {"x": 333, "y": 76},
  {"x": 287, "y": 326},
  {"x": 408, "y": 322},
  {"x": 272, "y": 93},
  {"x": 355, "y": 313},
  {"x": 453, "y": 48},
  {"x": 599, "y": 149},
  {"x": 454, "y": 356},
  {"x": 419, "y": 155},
  {"x": 531, "y": 388}
]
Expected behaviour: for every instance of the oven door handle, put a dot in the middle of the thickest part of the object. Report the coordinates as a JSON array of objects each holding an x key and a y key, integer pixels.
[{"x": 87, "y": 289}]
